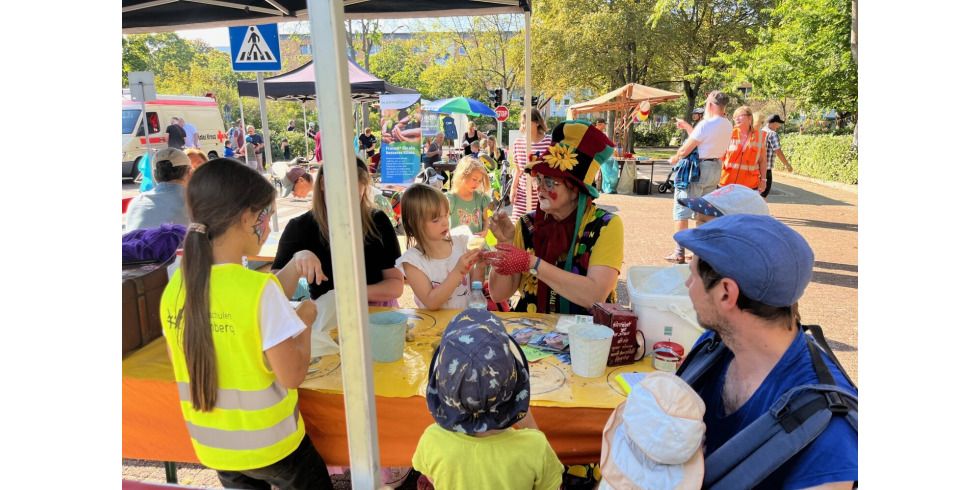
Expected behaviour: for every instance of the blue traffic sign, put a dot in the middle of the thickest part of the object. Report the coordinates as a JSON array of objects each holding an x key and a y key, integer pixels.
[{"x": 255, "y": 48}]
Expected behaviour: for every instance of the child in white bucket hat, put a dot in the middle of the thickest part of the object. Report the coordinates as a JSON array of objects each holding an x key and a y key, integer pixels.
[{"x": 654, "y": 438}]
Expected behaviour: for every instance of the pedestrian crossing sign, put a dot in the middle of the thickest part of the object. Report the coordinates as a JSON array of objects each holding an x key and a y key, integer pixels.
[{"x": 255, "y": 48}]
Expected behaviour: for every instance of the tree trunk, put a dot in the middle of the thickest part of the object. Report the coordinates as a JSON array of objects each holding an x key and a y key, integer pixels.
[
  {"x": 691, "y": 94},
  {"x": 854, "y": 56}
]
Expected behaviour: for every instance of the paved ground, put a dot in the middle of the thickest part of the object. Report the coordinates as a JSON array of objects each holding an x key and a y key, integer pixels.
[{"x": 826, "y": 215}]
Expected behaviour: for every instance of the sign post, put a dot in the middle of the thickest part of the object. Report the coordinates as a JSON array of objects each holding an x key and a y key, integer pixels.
[
  {"x": 142, "y": 88},
  {"x": 502, "y": 114},
  {"x": 256, "y": 49}
]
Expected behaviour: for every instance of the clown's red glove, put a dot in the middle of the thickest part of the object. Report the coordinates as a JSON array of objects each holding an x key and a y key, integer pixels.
[{"x": 508, "y": 259}]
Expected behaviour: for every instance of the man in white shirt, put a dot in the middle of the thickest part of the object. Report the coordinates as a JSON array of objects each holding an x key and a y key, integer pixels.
[
  {"x": 711, "y": 137},
  {"x": 192, "y": 139}
]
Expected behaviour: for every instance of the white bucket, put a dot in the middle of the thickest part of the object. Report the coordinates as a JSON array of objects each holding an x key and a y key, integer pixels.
[
  {"x": 590, "y": 344},
  {"x": 662, "y": 317}
]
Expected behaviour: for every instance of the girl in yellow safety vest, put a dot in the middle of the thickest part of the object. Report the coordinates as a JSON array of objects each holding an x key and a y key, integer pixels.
[{"x": 239, "y": 350}]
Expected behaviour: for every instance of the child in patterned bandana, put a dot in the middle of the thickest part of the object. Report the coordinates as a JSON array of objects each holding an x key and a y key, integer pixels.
[{"x": 479, "y": 395}]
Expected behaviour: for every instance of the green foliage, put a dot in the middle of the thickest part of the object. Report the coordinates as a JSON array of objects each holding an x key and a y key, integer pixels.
[
  {"x": 822, "y": 156},
  {"x": 296, "y": 144},
  {"x": 656, "y": 136},
  {"x": 804, "y": 54}
]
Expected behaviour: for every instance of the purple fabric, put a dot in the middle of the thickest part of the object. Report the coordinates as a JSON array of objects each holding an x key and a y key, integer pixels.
[{"x": 156, "y": 244}]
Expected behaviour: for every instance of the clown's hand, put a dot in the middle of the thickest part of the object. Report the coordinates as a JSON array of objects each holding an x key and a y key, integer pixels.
[
  {"x": 502, "y": 227},
  {"x": 508, "y": 259}
]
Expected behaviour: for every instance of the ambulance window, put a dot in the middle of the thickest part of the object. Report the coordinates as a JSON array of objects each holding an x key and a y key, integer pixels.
[
  {"x": 153, "y": 120},
  {"x": 129, "y": 120}
]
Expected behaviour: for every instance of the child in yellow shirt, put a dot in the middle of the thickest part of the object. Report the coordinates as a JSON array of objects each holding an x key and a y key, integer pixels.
[{"x": 479, "y": 393}]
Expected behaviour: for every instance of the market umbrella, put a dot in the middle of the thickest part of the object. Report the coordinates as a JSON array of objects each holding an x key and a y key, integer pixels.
[{"x": 460, "y": 105}]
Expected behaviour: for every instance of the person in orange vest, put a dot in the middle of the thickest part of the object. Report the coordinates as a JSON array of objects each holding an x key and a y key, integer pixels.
[{"x": 746, "y": 152}]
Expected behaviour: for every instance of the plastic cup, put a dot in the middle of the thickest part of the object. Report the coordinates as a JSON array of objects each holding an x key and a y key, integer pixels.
[
  {"x": 590, "y": 344},
  {"x": 387, "y": 330}
]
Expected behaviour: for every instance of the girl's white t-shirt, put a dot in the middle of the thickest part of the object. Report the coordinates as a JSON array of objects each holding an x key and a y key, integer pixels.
[{"x": 437, "y": 270}]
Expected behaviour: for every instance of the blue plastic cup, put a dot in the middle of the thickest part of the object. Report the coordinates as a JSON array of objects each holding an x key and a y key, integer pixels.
[{"x": 387, "y": 331}]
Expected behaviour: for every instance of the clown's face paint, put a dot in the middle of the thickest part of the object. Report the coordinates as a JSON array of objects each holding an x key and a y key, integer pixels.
[{"x": 261, "y": 226}]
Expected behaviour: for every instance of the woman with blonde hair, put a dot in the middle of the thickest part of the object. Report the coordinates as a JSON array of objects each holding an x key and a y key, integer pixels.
[
  {"x": 307, "y": 241},
  {"x": 746, "y": 153}
]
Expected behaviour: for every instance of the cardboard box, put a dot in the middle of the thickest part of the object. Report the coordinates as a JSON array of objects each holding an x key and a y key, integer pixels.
[{"x": 623, "y": 323}]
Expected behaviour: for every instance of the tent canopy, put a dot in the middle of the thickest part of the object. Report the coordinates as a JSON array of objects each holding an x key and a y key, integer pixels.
[
  {"x": 299, "y": 84},
  {"x": 623, "y": 99},
  {"x": 141, "y": 16}
]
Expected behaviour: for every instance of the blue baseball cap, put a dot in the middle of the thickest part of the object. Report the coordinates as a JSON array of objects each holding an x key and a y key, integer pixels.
[
  {"x": 770, "y": 262},
  {"x": 476, "y": 382}
]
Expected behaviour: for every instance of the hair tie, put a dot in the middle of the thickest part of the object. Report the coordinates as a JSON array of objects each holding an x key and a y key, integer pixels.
[{"x": 198, "y": 227}]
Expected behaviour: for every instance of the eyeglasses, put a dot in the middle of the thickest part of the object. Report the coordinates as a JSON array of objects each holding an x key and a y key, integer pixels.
[{"x": 548, "y": 182}]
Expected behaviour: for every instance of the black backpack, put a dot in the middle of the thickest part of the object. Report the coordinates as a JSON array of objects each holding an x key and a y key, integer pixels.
[{"x": 793, "y": 422}]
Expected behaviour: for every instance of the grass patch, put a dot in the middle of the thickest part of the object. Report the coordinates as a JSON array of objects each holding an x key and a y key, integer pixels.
[{"x": 655, "y": 153}]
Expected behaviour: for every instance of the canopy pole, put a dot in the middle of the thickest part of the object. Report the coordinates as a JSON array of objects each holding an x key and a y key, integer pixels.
[
  {"x": 265, "y": 138},
  {"x": 527, "y": 103},
  {"x": 306, "y": 129},
  {"x": 343, "y": 213}
]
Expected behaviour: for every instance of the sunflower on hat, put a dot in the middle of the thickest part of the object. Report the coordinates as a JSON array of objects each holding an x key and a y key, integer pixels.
[{"x": 576, "y": 152}]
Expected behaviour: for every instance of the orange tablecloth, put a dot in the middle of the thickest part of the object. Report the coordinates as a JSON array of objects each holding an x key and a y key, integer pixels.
[{"x": 153, "y": 428}]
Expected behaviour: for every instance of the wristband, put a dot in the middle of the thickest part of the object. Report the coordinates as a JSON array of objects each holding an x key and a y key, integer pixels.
[{"x": 534, "y": 268}]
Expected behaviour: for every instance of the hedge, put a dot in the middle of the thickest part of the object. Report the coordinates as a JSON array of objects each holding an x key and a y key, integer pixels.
[{"x": 824, "y": 157}]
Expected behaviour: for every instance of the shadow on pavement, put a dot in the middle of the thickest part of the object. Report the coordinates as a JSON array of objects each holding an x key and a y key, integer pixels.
[
  {"x": 802, "y": 222},
  {"x": 840, "y": 346},
  {"x": 835, "y": 266},
  {"x": 833, "y": 279},
  {"x": 787, "y": 194}
]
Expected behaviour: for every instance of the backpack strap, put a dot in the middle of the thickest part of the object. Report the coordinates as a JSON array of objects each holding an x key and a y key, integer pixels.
[
  {"x": 790, "y": 425},
  {"x": 703, "y": 357}
]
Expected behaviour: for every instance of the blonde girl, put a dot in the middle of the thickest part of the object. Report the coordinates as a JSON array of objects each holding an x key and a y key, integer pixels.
[
  {"x": 238, "y": 349},
  {"x": 469, "y": 197},
  {"x": 436, "y": 265}
]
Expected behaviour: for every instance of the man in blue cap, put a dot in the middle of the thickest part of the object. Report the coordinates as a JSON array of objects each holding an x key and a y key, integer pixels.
[{"x": 746, "y": 273}]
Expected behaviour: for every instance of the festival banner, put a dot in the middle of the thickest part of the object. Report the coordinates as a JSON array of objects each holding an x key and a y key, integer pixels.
[{"x": 401, "y": 138}]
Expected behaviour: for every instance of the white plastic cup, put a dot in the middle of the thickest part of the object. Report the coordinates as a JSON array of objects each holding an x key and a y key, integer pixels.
[
  {"x": 387, "y": 330},
  {"x": 590, "y": 344}
]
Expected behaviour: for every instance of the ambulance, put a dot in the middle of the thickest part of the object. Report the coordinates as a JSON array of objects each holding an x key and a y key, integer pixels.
[{"x": 202, "y": 112}]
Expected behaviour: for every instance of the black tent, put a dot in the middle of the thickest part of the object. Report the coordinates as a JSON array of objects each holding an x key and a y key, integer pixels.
[
  {"x": 159, "y": 16},
  {"x": 299, "y": 84}
]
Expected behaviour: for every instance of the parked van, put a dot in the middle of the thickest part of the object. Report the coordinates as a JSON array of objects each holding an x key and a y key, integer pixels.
[{"x": 202, "y": 112}]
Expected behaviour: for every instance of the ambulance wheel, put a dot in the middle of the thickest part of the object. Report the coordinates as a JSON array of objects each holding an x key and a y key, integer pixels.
[
  {"x": 212, "y": 155},
  {"x": 136, "y": 175}
]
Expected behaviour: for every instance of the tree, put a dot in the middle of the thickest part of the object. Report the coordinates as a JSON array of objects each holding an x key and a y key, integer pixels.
[
  {"x": 805, "y": 53},
  {"x": 694, "y": 33}
]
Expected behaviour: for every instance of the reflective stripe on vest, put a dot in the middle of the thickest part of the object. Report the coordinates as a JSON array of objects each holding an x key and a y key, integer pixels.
[
  {"x": 240, "y": 399},
  {"x": 255, "y": 421},
  {"x": 245, "y": 440}
]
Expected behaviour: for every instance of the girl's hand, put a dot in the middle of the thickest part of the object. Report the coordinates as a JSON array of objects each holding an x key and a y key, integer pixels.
[
  {"x": 308, "y": 265},
  {"x": 466, "y": 261},
  {"x": 501, "y": 227}
]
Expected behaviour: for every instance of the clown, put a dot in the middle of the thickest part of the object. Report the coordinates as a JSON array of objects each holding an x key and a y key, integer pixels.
[{"x": 566, "y": 254}]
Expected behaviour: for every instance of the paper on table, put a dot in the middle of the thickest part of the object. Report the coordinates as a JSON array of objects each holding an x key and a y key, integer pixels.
[
  {"x": 321, "y": 344},
  {"x": 534, "y": 354}
]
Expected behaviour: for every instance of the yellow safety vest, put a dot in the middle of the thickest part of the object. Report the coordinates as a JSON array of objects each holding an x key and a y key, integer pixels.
[{"x": 255, "y": 422}]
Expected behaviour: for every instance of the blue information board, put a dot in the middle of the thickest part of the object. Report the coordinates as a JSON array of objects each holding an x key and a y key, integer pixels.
[{"x": 255, "y": 48}]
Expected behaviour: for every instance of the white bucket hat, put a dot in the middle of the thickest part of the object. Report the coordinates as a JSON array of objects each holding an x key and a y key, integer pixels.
[
  {"x": 654, "y": 438},
  {"x": 726, "y": 201}
]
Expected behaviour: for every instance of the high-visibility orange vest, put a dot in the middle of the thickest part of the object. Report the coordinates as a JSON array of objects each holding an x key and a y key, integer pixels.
[{"x": 742, "y": 162}]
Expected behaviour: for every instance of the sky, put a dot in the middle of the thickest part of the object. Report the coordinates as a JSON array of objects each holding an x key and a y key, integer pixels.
[{"x": 218, "y": 37}]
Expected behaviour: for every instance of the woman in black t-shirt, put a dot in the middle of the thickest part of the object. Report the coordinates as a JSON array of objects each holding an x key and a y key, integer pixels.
[
  {"x": 470, "y": 136},
  {"x": 306, "y": 238}
]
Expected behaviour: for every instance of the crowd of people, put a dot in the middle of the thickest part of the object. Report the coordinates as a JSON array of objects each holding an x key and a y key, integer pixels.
[{"x": 557, "y": 251}]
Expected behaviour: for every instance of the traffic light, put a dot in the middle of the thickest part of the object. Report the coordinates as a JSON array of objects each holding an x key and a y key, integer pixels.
[
  {"x": 534, "y": 101},
  {"x": 497, "y": 97}
]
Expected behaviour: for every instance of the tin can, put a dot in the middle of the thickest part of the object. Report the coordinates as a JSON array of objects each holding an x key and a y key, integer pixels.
[{"x": 667, "y": 356}]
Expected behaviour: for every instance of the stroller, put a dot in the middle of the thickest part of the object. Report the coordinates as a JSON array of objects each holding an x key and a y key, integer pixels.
[{"x": 667, "y": 185}]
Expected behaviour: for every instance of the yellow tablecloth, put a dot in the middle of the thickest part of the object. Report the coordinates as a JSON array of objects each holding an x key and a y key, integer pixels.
[{"x": 570, "y": 410}]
